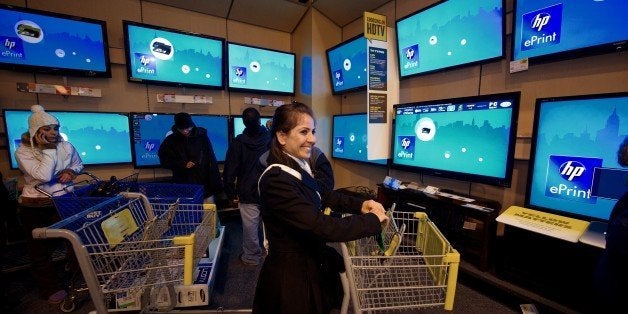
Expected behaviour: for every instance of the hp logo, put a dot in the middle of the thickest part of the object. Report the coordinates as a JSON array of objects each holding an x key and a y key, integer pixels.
[
  {"x": 540, "y": 20},
  {"x": 571, "y": 170},
  {"x": 239, "y": 71},
  {"x": 405, "y": 143},
  {"x": 409, "y": 53}
]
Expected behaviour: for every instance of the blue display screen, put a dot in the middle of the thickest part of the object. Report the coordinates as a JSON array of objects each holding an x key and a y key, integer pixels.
[
  {"x": 350, "y": 138},
  {"x": 254, "y": 69},
  {"x": 449, "y": 34},
  {"x": 99, "y": 137},
  {"x": 543, "y": 28},
  {"x": 150, "y": 129},
  {"x": 238, "y": 124},
  {"x": 45, "y": 42},
  {"x": 574, "y": 155},
  {"x": 347, "y": 65},
  {"x": 165, "y": 56},
  {"x": 465, "y": 138}
]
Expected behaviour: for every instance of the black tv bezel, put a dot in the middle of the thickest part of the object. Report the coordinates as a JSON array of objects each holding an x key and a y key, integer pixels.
[
  {"x": 457, "y": 66},
  {"x": 533, "y": 144},
  {"x": 594, "y": 50},
  {"x": 351, "y": 159},
  {"x": 62, "y": 71},
  {"x": 260, "y": 91},
  {"x": 127, "y": 56},
  {"x": 473, "y": 178},
  {"x": 330, "y": 74},
  {"x": 133, "y": 154},
  {"x": 6, "y": 131}
]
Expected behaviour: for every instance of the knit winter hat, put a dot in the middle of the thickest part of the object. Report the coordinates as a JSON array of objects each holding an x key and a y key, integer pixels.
[
  {"x": 183, "y": 120},
  {"x": 39, "y": 118}
]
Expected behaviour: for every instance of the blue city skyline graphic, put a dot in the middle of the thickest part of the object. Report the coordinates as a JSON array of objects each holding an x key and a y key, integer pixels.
[
  {"x": 588, "y": 131},
  {"x": 541, "y": 27}
]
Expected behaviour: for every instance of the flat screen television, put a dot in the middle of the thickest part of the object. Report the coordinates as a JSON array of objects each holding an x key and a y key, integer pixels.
[
  {"x": 150, "y": 129},
  {"x": 346, "y": 64},
  {"x": 260, "y": 70},
  {"x": 238, "y": 124},
  {"x": 552, "y": 30},
  {"x": 573, "y": 162},
  {"x": 99, "y": 137},
  {"x": 469, "y": 138},
  {"x": 350, "y": 139},
  {"x": 449, "y": 34},
  {"x": 164, "y": 56},
  {"x": 39, "y": 41}
]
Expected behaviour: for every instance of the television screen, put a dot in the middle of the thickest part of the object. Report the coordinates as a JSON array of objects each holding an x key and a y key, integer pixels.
[
  {"x": 99, "y": 137},
  {"x": 170, "y": 57},
  {"x": 350, "y": 140},
  {"x": 346, "y": 64},
  {"x": 53, "y": 43},
  {"x": 550, "y": 30},
  {"x": 449, "y": 34},
  {"x": 470, "y": 138},
  {"x": 574, "y": 169},
  {"x": 238, "y": 124},
  {"x": 255, "y": 69},
  {"x": 150, "y": 129}
]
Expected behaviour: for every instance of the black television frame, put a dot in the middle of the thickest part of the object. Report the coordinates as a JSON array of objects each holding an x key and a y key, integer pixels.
[
  {"x": 330, "y": 75},
  {"x": 62, "y": 71},
  {"x": 457, "y": 66},
  {"x": 260, "y": 91},
  {"x": 127, "y": 56},
  {"x": 473, "y": 178}
]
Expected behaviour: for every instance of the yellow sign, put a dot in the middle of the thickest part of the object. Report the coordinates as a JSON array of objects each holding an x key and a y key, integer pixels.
[
  {"x": 556, "y": 226},
  {"x": 375, "y": 26},
  {"x": 117, "y": 227}
]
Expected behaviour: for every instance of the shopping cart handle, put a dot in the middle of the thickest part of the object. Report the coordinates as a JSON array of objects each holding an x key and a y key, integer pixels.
[{"x": 39, "y": 188}]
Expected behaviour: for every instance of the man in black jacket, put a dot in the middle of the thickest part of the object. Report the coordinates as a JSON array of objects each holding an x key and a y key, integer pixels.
[
  {"x": 188, "y": 152},
  {"x": 240, "y": 175}
]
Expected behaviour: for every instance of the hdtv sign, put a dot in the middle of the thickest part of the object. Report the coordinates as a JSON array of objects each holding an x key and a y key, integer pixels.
[{"x": 570, "y": 178}]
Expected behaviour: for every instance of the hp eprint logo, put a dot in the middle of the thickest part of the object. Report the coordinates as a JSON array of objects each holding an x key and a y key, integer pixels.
[
  {"x": 410, "y": 53},
  {"x": 405, "y": 143},
  {"x": 540, "y": 20},
  {"x": 571, "y": 170}
]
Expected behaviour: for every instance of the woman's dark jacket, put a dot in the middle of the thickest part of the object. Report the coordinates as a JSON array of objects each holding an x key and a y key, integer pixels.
[
  {"x": 177, "y": 149},
  {"x": 295, "y": 276},
  {"x": 241, "y": 169}
]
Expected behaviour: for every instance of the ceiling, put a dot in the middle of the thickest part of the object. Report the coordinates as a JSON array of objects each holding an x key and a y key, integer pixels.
[{"x": 282, "y": 15}]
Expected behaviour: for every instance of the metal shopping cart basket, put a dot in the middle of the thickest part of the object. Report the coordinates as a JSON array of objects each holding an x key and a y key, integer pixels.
[
  {"x": 412, "y": 266},
  {"x": 159, "y": 192},
  {"x": 136, "y": 256}
]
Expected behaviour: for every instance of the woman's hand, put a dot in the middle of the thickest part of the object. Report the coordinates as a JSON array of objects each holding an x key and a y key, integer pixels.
[
  {"x": 66, "y": 176},
  {"x": 376, "y": 208}
]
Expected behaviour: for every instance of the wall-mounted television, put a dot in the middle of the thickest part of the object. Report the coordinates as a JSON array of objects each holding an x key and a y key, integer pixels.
[
  {"x": 350, "y": 139},
  {"x": 99, "y": 137},
  {"x": 573, "y": 162},
  {"x": 469, "y": 138},
  {"x": 346, "y": 64},
  {"x": 164, "y": 56},
  {"x": 557, "y": 30},
  {"x": 449, "y": 34},
  {"x": 260, "y": 70},
  {"x": 39, "y": 41},
  {"x": 238, "y": 124},
  {"x": 150, "y": 129}
]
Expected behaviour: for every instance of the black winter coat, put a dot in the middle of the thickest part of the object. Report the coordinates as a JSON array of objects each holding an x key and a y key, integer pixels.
[
  {"x": 296, "y": 275},
  {"x": 176, "y": 150}
]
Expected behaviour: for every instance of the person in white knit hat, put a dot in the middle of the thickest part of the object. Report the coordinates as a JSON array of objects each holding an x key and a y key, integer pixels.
[{"x": 47, "y": 160}]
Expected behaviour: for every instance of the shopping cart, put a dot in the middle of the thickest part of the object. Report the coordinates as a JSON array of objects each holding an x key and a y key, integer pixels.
[
  {"x": 138, "y": 256},
  {"x": 412, "y": 266},
  {"x": 160, "y": 192}
]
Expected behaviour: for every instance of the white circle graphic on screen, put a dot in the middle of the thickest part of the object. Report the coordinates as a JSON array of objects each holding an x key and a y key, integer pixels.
[
  {"x": 351, "y": 137},
  {"x": 161, "y": 48},
  {"x": 60, "y": 53},
  {"x": 463, "y": 42},
  {"x": 29, "y": 31},
  {"x": 88, "y": 60},
  {"x": 83, "y": 154},
  {"x": 208, "y": 75},
  {"x": 98, "y": 147},
  {"x": 196, "y": 69},
  {"x": 447, "y": 155},
  {"x": 464, "y": 149},
  {"x": 347, "y": 64},
  {"x": 255, "y": 66},
  {"x": 449, "y": 53},
  {"x": 480, "y": 159},
  {"x": 425, "y": 129},
  {"x": 433, "y": 40},
  {"x": 185, "y": 69}
]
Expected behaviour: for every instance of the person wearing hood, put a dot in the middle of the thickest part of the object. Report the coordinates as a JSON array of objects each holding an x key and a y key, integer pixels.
[
  {"x": 189, "y": 153},
  {"x": 50, "y": 162},
  {"x": 240, "y": 178}
]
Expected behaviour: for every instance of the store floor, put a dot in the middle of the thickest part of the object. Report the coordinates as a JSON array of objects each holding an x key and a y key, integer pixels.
[{"x": 235, "y": 284}]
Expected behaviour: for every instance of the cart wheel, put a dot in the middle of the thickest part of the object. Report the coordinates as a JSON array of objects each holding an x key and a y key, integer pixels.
[{"x": 67, "y": 306}]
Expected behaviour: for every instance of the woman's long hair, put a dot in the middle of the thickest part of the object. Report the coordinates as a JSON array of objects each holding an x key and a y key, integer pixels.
[{"x": 285, "y": 119}]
